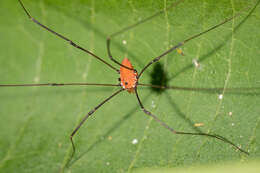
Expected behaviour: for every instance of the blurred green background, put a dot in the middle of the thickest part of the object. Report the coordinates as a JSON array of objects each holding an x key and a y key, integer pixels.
[{"x": 36, "y": 122}]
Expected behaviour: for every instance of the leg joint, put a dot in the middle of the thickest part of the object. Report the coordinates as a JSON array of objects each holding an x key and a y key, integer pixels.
[{"x": 72, "y": 43}]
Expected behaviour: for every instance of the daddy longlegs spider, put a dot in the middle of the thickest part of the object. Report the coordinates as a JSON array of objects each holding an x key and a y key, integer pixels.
[{"x": 129, "y": 77}]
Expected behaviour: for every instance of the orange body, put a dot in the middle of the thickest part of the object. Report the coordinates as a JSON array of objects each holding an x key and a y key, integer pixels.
[{"x": 128, "y": 77}]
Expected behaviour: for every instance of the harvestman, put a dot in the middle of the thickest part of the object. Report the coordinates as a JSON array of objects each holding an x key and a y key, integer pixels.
[{"x": 128, "y": 75}]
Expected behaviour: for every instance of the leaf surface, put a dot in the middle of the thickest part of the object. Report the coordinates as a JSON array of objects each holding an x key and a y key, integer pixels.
[{"x": 36, "y": 122}]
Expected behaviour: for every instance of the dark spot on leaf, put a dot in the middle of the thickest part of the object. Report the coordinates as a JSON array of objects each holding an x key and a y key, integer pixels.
[{"x": 158, "y": 78}]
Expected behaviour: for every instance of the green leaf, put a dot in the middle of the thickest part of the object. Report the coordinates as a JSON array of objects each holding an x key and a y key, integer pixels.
[
  {"x": 36, "y": 122},
  {"x": 252, "y": 166}
]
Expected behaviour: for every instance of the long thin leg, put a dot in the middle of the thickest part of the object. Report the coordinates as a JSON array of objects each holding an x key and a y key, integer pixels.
[
  {"x": 185, "y": 133},
  {"x": 156, "y": 59},
  {"x": 57, "y": 84},
  {"x": 88, "y": 115},
  {"x": 131, "y": 27},
  {"x": 66, "y": 39}
]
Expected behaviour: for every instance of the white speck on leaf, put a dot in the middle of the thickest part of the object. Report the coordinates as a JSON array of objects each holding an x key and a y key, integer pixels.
[
  {"x": 134, "y": 141},
  {"x": 220, "y": 96},
  {"x": 124, "y": 42},
  {"x": 196, "y": 63}
]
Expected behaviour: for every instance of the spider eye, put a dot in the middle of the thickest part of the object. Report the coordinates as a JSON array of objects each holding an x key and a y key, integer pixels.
[{"x": 126, "y": 83}]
